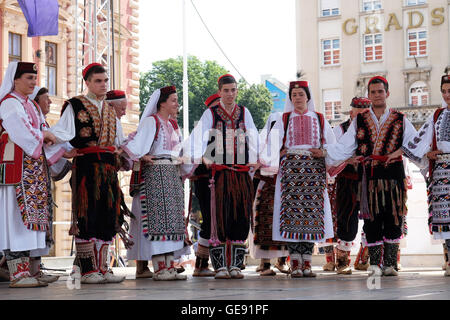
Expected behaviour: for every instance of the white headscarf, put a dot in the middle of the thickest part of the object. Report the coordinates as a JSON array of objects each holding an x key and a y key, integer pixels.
[
  {"x": 152, "y": 105},
  {"x": 8, "y": 80},
  {"x": 35, "y": 92},
  {"x": 289, "y": 106}
]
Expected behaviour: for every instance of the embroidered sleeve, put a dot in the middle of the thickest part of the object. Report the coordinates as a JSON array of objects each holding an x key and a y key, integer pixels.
[
  {"x": 141, "y": 143},
  {"x": 19, "y": 128},
  {"x": 417, "y": 144}
]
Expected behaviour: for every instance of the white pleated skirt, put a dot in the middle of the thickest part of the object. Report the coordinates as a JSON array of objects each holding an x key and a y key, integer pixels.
[{"x": 14, "y": 235}]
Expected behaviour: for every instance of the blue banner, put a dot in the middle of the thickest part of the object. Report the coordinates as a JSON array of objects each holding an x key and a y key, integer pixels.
[{"x": 42, "y": 16}]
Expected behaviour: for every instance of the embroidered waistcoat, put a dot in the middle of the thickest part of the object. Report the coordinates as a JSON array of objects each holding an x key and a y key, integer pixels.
[
  {"x": 228, "y": 134},
  {"x": 92, "y": 129}
]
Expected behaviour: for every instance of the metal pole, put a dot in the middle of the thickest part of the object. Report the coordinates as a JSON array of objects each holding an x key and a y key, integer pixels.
[
  {"x": 185, "y": 99},
  {"x": 112, "y": 70},
  {"x": 94, "y": 29},
  {"x": 76, "y": 48}
]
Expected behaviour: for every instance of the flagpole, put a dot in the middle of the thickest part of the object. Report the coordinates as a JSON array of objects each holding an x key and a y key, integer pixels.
[{"x": 185, "y": 101}]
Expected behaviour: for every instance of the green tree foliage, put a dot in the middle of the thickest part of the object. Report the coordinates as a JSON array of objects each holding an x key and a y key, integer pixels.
[
  {"x": 202, "y": 83},
  {"x": 258, "y": 100}
]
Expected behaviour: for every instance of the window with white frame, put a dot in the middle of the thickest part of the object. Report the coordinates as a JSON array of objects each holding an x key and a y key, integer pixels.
[
  {"x": 417, "y": 43},
  {"x": 373, "y": 47},
  {"x": 419, "y": 94},
  {"x": 414, "y": 2},
  {"x": 370, "y": 5},
  {"x": 329, "y": 8},
  {"x": 331, "y": 52},
  {"x": 15, "y": 47},
  {"x": 332, "y": 103},
  {"x": 50, "y": 67}
]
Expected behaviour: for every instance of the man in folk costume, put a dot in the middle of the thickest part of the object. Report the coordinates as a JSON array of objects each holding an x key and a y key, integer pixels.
[
  {"x": 227, "y": 140},
  {"x": 98, "y": 207},
  {"x": 376, "y": 136},
  {"x": 301, "y": 212},
  {"x": 430, "y": 149},
  {"x": 25, "y": 196},
  {"x": 261, "y": 244},
  {"x": 159, "y": 230},
  {"x": 347, "y": 202},
  {"x": 118, "y": 100},
  {"x": 203, "y": 194}
]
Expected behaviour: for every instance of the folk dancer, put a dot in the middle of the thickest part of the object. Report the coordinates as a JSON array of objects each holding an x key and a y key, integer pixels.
[
  {"x": 203, "y": 194},
  {"x": 376, "y": 136},
  {"x": 57, "y": 172},
  {"x": 261, "y": 245},
  {"x": 347, "y": 206},
  {"x": 431, "y": 148},
  {"x": 89, "y": 123},
  {"x": 301, "y": 213},
  {"x": 25, "y": 196},
  {"x": 159, "y": 230},
  {"x": 227, "y": 140}
]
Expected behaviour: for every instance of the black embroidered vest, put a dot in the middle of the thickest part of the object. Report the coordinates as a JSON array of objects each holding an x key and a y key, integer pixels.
[
  {"x": 84, "y": 126},
  {"x": 228, "y": 142},
  {"x": 384, "y": 142}
]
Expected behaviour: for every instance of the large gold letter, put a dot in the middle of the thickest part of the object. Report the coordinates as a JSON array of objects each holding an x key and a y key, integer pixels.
[
  {"x": 393, "y": 21},
  {"x": 372, "y": 22},
  {"x": 411, "y": 19},
  {"x": 354, "y": 27},
  {"x": 440, "y": 18}
]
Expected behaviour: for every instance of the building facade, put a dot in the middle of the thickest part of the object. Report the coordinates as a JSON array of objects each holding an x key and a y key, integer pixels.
[
  {"x": 56, "y": 58},
  {"x": 341, "y": 44}
]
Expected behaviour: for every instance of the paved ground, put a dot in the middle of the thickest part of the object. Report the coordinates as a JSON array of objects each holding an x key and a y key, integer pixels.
[{"x": 412, "y": 283}]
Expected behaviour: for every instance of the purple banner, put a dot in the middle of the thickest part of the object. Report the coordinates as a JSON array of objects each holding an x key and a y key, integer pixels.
[{"x": 42, "y": 16}]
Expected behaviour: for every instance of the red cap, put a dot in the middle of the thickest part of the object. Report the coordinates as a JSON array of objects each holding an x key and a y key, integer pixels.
[
  {"x": 88, "y": 68},
  {"x": 298, "y": 84},
  {"x": 226, "y": 76},
  {"x": 361, "y": 103},
  {"x": 25, "y": 67},
  {"x": 115, "y": 95},
  {"x": 378, "y": 78},
  {"x": 166, "y": 91},
  {"x": 211, "y": 99}
]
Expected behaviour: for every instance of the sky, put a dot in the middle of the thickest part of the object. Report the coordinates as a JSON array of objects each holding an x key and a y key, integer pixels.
[{"x": 258, "y": 36}]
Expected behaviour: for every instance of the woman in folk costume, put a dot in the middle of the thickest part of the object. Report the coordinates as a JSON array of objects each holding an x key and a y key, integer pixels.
[
  {"x": 25, "y": 196},
  {"x": 57, "y": 172},
  {"x": 261, "y": 244},
  {"x": 433, "y": 142},
  {"x": 159, "y": 230},
  {"x": 88, "y": 126},
  {"x": 302, "y": 213}
]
